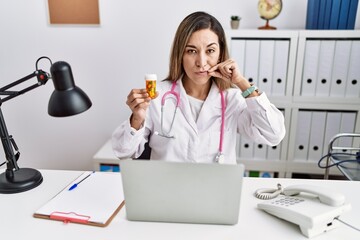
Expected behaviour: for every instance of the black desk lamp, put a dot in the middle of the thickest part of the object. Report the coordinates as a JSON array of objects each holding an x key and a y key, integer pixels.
[{"x": 66, "y": 100}]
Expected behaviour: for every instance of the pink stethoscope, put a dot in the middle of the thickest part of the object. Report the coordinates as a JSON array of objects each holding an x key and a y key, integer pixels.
[{"x": 219, "y": 157}]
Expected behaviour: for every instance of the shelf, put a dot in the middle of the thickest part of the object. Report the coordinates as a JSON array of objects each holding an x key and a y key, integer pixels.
[{"x": 295, "y": 99}]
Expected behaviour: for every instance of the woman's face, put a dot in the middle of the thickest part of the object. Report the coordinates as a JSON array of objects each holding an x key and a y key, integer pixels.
[{"x": 201, "y": 53}]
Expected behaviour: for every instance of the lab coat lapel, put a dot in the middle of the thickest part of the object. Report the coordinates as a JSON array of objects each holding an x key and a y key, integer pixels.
[
  {"x": 185, "y": 107},
  {"x": 211, "y": 110}
]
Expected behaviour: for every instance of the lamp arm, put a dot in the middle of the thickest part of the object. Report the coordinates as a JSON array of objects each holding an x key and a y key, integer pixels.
[
  {"x": 6, "y": 139},
  {"x": 41, "y": 76}
]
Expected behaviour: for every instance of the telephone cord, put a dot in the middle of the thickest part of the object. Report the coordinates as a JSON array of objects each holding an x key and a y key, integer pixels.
[
  {"x": 269, "y": 193},
  {"x": 347, "y": 224}
]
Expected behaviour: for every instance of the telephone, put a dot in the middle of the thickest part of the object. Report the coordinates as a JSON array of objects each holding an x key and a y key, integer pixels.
[{"x": 313, "y": 208}]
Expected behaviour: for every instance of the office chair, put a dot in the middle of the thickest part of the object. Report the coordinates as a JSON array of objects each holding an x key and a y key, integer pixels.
[{"x": 146, "y": 153}]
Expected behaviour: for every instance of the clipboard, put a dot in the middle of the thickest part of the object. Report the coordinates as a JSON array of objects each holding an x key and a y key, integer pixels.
[{"x": 95, "y": 201}]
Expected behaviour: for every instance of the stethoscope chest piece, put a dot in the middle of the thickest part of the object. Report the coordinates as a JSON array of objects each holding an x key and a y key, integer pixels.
[{"x": 220, "y": 158}]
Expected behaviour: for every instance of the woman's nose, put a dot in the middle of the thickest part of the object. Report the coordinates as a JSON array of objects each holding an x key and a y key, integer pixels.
[{"x": 202, "y": 60}]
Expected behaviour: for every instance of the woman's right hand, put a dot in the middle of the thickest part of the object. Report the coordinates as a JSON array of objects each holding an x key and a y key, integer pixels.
[{"x": 138, "y": 101}]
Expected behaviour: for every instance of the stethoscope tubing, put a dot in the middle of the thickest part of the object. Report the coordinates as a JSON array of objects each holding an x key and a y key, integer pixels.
[{"x": 177, "y": 97}]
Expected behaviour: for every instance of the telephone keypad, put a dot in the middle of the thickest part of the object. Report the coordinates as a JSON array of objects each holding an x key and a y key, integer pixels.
[{"x": 287, "y": 201}]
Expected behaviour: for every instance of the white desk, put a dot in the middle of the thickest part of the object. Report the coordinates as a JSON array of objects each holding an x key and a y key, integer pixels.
[{"x": 17, "y": 222}]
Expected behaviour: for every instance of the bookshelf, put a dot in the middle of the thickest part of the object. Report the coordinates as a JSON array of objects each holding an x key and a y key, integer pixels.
[{"x": 321, "y": 93}]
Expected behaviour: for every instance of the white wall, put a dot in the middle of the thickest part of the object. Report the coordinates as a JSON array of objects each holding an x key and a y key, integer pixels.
[{"x": 134, "y": 38}]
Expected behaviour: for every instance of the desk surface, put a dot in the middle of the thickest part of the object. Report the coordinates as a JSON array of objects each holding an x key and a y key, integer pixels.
[{"x": 16, "y": 219}]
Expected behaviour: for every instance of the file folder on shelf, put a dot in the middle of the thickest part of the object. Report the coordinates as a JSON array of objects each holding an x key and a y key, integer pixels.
[
  {"x": 266, "y": 59},
  {"x": 343, "y": 14},
  {"x": 334, "y": 14},
  {"x": 347, "y": 126},
  {"x": 246, "y": 148},
  {"x": 352, "y": 14},
  {"x": 332, "y": 127},
  {"x": 302, "y": 135},
  {"x": 281, "y": 59},
  {"x": 238, "y": 52},
  {"x": 326, "y": 56},
  {"x": 353, "y": 80},
  {"x": 340, "y": 68},
  {"x": 311, "y": 60},
  {"x": 317, "y": 132},
  {"x": 252, "y": 51},
  {"x": 95, "y": 201}
]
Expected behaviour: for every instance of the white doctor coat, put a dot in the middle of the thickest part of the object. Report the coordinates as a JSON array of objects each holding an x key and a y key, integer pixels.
[{"x": 255, "y": 118}]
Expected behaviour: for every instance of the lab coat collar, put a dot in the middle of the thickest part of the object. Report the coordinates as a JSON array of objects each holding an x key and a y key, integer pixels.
[{"x": 211, "y": 107}]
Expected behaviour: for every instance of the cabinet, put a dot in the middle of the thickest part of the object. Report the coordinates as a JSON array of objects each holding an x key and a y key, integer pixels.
[{"x": 313, "y": 77}]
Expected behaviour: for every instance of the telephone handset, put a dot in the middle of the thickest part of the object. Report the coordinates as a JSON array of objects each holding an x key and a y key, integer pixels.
[{"x": 313, "y": 208}]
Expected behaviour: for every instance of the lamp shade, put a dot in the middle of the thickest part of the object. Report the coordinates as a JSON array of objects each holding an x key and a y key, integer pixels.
[{"x": 67, "y": 99}]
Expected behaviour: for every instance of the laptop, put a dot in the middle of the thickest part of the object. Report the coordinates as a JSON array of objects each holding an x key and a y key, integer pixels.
[{"x": 163, "y": 191}]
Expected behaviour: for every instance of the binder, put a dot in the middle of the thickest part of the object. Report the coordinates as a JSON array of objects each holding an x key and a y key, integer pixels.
[
  {"x": 322, "y": 9},
  {"x": 343, "y": 14},
  {"x": 281, "y": 57},
  {"x": 273, "y": 152},
  {"x": 352, "y": 14},
  {"x": 334, "y": 15},
  {"x": 326, "y": 57},
  {"x": 332, "y": 127},
  {"x": 252, "y": 50},
  {"x": 312, "y": 14},
  {"x": 302, "y": 135},
  {"x": 260, "y": 151},
  {"x": 95, "y": 201},
  {"x": 317, "y": 132},
  {"x": 246, "y": 149},
  {"x": 327, "y": 14},
  {"x": 353, "y": 79},
  {"x": 238, "y": 52},
  {"x": 311, "y": 60},
  {"x": 340, "y": 68},
  {"x": 347, "y": 126},
  {"x": 266, "y": 60}
]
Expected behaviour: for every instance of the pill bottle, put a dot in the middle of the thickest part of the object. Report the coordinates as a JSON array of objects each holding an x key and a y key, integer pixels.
[{"x": 150, "y": 81}]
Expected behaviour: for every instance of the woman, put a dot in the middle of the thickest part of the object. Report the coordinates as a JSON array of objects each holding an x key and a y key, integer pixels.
[{"x": 215, "y": 102}]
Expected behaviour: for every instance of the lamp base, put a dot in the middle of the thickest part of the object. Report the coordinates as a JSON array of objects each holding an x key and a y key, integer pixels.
[{"x": 21, "y": 180}]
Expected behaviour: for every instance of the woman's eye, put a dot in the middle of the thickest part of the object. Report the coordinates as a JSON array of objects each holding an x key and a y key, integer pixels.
[
  {"x": 211, "y": 50},
  {"x": 191, "y": 51}
]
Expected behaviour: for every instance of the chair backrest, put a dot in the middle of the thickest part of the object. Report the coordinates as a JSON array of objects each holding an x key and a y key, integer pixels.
[
  {"x": 336, "y": 145},
  {"x": 146, "y": 153}
]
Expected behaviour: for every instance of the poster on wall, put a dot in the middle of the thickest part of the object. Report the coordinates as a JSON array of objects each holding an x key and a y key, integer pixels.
[{"x": 74, "y": 11}]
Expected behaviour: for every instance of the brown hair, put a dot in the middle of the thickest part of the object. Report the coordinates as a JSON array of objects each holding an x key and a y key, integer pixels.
[{"x": 194, "y": 22}]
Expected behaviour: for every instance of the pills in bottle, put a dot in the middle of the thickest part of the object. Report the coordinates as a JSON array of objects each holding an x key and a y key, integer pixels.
[{"x": 150, "y": 80}]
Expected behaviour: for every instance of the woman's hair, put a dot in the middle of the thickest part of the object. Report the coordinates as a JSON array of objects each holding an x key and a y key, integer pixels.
[{"x": 192, "y": 23}]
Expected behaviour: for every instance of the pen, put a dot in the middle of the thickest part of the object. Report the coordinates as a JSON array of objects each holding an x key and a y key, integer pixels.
[{"x": 76, "y": 184}]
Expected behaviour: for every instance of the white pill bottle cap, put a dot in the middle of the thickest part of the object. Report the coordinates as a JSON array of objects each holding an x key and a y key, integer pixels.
[{"x": 150, "y": 77}]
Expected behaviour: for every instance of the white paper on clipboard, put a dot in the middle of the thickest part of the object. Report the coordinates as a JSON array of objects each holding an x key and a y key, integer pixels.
[{"x": 95, "y": 201}]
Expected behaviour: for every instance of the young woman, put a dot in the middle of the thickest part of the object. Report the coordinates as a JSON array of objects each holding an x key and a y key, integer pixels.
[{"x": 201, "y": 106}]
